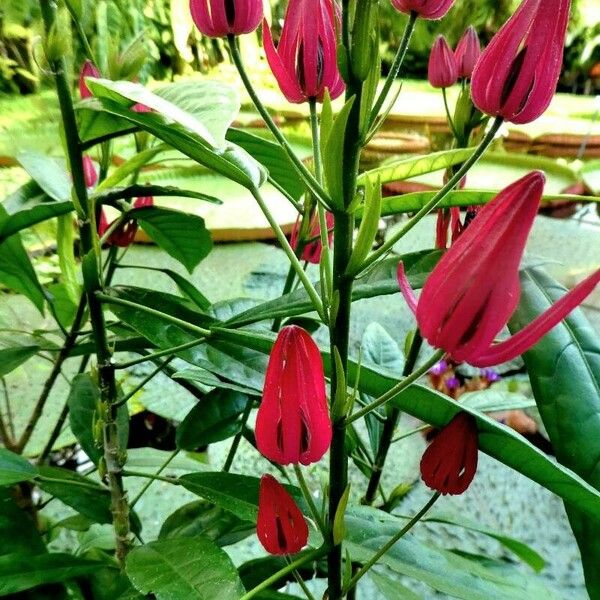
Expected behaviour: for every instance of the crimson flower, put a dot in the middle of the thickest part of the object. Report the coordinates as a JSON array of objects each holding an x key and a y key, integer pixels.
[
  {"x": 443, "y": 70},
  {"x": 88, "y": 70},
  {"x": 426, "y": 9},
  {"x": 281, "y": 527},
  {"x": 124, "y": 234},
  {"x": 305, "y": 61},
  {"x": 293, "y": 423},
  {"x": 474, "y": 289},
  {"x": 516, "y": 75},
  {"x": 450, "y": 461},
  {"x": 314, "y": 248},
  {"x": 468, "y": 51},
  {"x": 220, "y": 18}
]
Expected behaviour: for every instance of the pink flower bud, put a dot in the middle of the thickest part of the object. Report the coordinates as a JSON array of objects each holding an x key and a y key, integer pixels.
[
  {"x": 88, "y": 70},
  {"x": 305, "y": 61},
  {"x": 443, "y": 71},
  {"x": 313, "y": 249},
  {"x": 89, "y": 171},
  {"x": 220, "y": 18},
  {"x": 467, "y": 53},
  {"x": 124, "y": 234},
  {"x": 426, "y": 9},
  {"x": 516, "y": 75}
]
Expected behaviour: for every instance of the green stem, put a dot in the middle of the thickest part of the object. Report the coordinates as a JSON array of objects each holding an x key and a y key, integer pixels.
[
  {"x": 144, "y": 381},
  {"x": 399, "y": 387},
  {"x": 390, "y": 543},
  {"x": 285, "y": 245},
  {"x": 429, "y": 206},
  {"x": 396, "y": 66},
  {"x": 159, "y": 354},
  {"x": 113, "y": 456},
  {"x": 238, "y": 436},
  {"x": 156, "y": 313},
  {"x": 304, "y": 173},
  {"x": 290, "y": 568},
  {"x": 410, "y": 433},
  {"x": 51, "y": 380},
  {"x": 154, "y": 477},
  {"x": 151, "y": 481},
  {"x": 449, "y": 115},
  {"x": 309, "y": 500}
]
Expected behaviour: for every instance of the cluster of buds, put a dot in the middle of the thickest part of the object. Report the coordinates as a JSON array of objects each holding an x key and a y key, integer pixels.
[
  {"x": 447, "y": 66},
  {"x": 293, "y": 426}
]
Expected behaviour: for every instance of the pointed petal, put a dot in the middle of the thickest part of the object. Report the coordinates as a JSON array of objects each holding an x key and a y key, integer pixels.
[
  {"x": 406, "y": 289},
  {"x": 531, "y": 334}
]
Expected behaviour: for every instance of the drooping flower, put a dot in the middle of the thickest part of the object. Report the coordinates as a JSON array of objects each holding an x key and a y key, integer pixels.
[
  {"x": 89, "y": 171},
  {"x": 281, "y": 527},
  {"x": 468, "y": 51},
  {"x": 314, "y": 248},
  {"x": 516, "y": 76},
  {"x": 220, "y": 18},
  {"x": 443, "y": 70},
  {"x": 124, "y": 234},
  {"x": 293, "y": 423},
  {"x": 426, "y": 9},
  {"x": 305, "y": 61},
  {"x": 474, "y": 289},
  {"x": 449, "y": 463},
  {"x": 88, "y": 70}
]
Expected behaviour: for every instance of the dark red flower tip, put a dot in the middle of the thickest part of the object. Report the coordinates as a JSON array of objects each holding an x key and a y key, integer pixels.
[
  {"x": 314, "y": 248},
  {"x": 293, "y": 423},
  {"x": 124, "y": 235},
  {"x": 450, "y": 462},
  {"x": 281, "y": 527}
]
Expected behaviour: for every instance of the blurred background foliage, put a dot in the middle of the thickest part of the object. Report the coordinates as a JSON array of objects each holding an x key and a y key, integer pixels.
[{"x": 156, "y": 39}]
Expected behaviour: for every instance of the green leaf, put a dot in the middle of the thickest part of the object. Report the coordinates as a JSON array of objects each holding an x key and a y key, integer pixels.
[
  {"x": 564, "y": 370},
  {"x": 134, "y": 191},
  {"x": 236, "y": 493},
  {"x": 206, "y": 378},
  {"x": 85, "y": 496},
  {"x": 129, "y": 167},
  {"x": 493, "y": 400},
  {"x": 523, "y": 551},
  {"x": 49, "y": 172},
  {"x": 406, "y": 168},
  {"x": 444, "y": 571},
  {"x": 69, "y": 269},
  {"x": 213, "y": 419},
  {"x": 14, "y": 468},
  {"x": 28, "y": 206},
  {"x": 16, "y": 271},
  {"x": 83, "y": 401},
  {"x": 190, "y": 568},
  {"x": 392, "y": 589},
  {"x": 11, "y": 358},
  {"x": 20, "y": 572},
  {"x": 181, "y": 235},
  {"x": 18, "y": 533},
  {"x": 204, "y": 518},
  {"x": 272, "y": 156}
]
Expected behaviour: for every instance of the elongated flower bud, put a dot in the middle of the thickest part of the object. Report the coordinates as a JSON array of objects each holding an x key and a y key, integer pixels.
[
  {"x": 281, "y": 527},
  {"x": 443, "y": 71},
  {"x": 88, "y": 70},
  {"x": 89, "y": 171},
  {"x": 124, "y": 234},
  {"x": 516, "y": 75},
  {"x": 293, "y": 423},
  {"x": 467, "y": 53},
  {"x": 450, "y": 461},
  {"x": 426, "y": 9},
  {"x": 305, "y": 61},
  {"x": 474, "y": 289},
  {"x": 220, "y": 18}
]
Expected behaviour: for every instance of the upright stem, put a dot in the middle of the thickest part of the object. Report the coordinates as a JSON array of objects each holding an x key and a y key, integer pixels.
[
  {"x": 339, "y": 327},
  {"x": 390, "y": 425},
  {"x": 113, "y": 455}
]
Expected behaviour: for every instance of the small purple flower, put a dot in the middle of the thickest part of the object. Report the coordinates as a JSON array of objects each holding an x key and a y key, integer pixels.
[
  {"x": 452, "y": 383},
  {"x": 439, "y": 369},
  {"x": 491, "y": 375}
]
